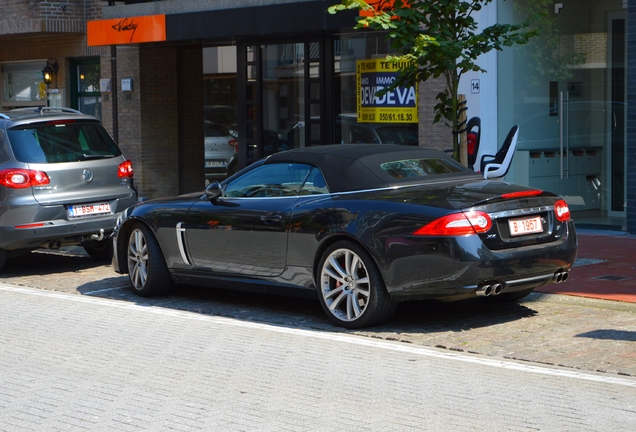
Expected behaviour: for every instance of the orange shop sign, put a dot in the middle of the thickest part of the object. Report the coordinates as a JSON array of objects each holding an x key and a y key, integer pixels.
[{"x": 119, "y": 31}]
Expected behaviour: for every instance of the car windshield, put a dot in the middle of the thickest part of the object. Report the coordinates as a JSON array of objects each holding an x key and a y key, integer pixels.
[
  {"x": 420, "y": 167},
  {"x": 61, "y": 142}
]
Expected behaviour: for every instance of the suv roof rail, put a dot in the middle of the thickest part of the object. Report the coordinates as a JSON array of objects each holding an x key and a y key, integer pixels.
[
  {"x": 42, "y": 110},
  {"x": 63, "y": 109}
]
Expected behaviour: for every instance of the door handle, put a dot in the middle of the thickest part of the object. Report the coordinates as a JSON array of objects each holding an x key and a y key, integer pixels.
[{"x": 271, "y": 219}]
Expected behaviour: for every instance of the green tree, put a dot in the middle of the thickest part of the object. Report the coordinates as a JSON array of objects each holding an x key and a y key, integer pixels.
[{"x": 437, "y": 38}]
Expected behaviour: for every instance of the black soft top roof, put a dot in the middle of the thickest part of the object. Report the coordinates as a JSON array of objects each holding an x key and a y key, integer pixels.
[{"x": 351, "y": 167}]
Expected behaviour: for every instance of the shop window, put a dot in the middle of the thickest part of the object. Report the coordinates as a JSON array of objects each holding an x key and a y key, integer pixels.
[{"x": 23, "y": 85}]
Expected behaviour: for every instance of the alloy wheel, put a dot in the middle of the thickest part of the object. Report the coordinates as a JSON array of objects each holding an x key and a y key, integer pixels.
[
  {"x": 138, "y": 259},
  {"x": 345, "y": 285}
]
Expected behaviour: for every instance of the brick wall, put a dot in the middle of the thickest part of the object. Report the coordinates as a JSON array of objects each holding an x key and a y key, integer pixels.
[
  {"x": 32, "y": 16},
  {"x": 190, "y": 93},
  {"x": 160, "y": 123},
  {"x": 128, "y": 105},
  {"x": 158, "y": 88}
]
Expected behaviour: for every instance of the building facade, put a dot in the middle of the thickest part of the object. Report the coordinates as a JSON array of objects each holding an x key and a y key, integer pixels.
[{"x": 218, "y": 84}]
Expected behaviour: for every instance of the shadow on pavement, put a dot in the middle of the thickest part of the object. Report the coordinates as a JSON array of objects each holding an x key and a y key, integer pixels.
[
  {"x": 608, "y": 334},
  {"x": 73, "y": 271},
  {"x": 40, "y": 264},
  {"x": 413, "y": 317}
]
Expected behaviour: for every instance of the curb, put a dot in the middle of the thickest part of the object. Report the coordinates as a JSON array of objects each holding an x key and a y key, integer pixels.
[{"x": 580, "y": 301}]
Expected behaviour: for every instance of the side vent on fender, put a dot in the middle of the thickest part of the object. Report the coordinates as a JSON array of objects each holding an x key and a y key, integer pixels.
[{"x": 181, "y": 242}]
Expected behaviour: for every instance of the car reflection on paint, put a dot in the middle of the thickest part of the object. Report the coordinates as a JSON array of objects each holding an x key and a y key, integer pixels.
[{"x": 363, "y": 227}]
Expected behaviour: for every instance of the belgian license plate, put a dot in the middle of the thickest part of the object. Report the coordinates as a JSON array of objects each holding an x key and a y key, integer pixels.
[
  {"x": 81, "y": 210},
  {"x": 215, "y": 163},
  {"x": 524, "y": 226}
]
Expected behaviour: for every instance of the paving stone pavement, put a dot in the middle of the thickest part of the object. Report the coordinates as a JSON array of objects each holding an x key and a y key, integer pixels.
[
  {"x": 80, "y": 363},
  {"x": 583, "y": 334}
]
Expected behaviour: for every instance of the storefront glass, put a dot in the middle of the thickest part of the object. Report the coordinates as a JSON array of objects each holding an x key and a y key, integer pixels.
[
  {"x": 566, "y": 90},
  {"x": 220, "y": 103},
  {"x": 348, "y": 50},
  {"x": 23, "y": 84},
  {"x": 283, "y": 97}
]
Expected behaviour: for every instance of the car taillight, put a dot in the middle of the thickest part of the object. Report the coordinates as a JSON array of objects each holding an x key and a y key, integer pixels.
[
  {"x": 126, "y": 169},
  {"x": 23, "y": 178},
  {"x": 233, "y": 143},
  {"x": 457, "y": 224},
  {"x": 561, "y": 211}
]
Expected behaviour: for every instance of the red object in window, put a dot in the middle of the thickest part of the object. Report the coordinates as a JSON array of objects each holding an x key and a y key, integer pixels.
[
  {"x": 471, "y": 142},
  {"x": 16, "y": 178},
  {"x": 126, "y": 169}
]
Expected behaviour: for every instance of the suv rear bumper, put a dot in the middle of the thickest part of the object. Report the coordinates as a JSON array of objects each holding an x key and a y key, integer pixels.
[{"x": 57, "y": 230}]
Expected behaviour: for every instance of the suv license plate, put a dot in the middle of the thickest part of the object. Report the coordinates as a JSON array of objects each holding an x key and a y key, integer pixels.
[
  {"x": 76, "y": 211},
  {"x": 525, "y": 226}
]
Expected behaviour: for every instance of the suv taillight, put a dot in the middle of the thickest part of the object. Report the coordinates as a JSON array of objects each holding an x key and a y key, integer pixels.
[
  {"x": 16, "y": 178},
  {"x": 125, "y": 169}
]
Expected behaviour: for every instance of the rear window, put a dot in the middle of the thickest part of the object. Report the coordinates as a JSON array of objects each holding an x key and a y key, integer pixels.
[
  {"x": 216, "y": 130},
  {"x": 397, "y": 135},
  {"x": 61, "y": 142},
  {"x": 421, "y": 167}
]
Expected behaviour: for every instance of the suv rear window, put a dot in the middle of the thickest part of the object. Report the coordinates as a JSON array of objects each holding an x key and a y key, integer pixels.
[
  {"x": 421, "y": 167},
  {"x": 61, "y": 142}
]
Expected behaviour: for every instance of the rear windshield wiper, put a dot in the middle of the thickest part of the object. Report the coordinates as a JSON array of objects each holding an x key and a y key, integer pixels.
[{"x": 96, "y": 156}]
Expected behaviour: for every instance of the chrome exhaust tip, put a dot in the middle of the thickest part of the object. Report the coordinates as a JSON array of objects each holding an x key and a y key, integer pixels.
[
  {"x": 497, "y": 289},
  {"x": 484, "y": 290},
  {"x": 561, "y": 276}
]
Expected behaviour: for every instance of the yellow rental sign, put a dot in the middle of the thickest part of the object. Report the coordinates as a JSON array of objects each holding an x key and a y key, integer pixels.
[{"x": 396, "y": 106}]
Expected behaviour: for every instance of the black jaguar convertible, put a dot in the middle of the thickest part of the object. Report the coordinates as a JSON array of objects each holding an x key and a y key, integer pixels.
[{"x": 363, "y": 226}]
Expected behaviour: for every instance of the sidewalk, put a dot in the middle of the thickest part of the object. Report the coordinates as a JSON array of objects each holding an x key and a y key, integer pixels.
[{"x": 605, "y": 268}]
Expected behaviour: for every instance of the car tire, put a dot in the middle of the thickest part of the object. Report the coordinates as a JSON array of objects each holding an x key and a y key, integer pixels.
[
  {"x": 100, "y": 250},
  {"x": 147, "y": 269},
  {"x": 350, "y": 287}
]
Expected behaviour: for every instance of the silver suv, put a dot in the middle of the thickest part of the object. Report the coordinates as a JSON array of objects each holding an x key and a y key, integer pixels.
[{"x": 63, "y": 182}]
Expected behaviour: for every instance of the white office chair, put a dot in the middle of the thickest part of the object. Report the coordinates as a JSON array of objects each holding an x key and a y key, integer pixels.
[{"x": 497, "y": 165}]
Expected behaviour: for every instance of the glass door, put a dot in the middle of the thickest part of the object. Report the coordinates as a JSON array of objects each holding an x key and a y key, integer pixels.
[
  {"x": 567, "y": 92},
  {"x": 282, "y": 86},
  {"x": 85, "y": 92}
]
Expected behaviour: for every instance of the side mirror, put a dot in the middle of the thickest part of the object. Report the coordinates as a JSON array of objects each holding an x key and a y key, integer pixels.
[{"x": 213, "y": 191}]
